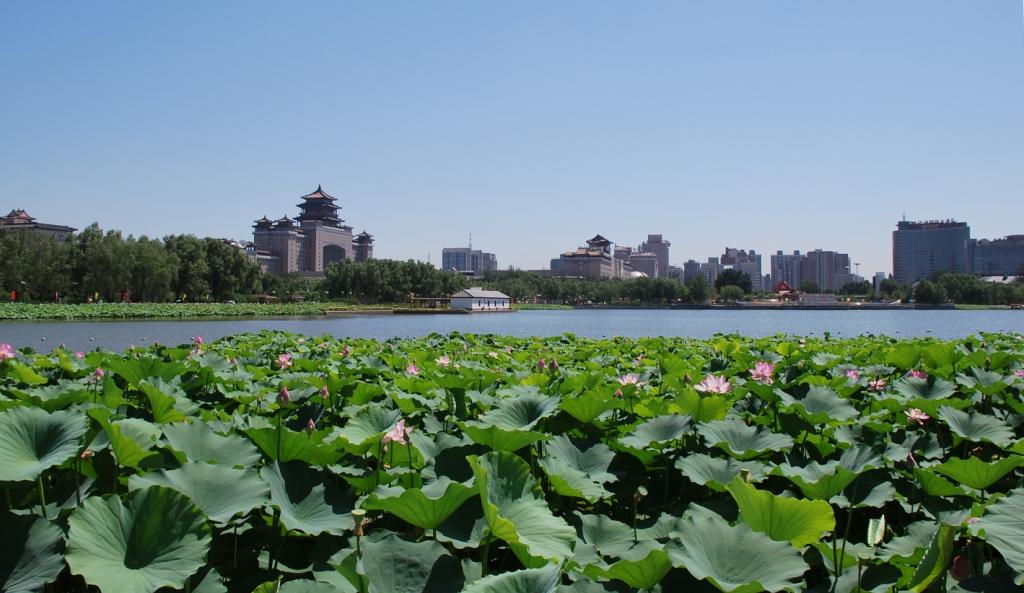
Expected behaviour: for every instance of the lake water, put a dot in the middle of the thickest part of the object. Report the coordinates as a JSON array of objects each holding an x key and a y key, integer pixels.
[{"x": 117, "y": 335}]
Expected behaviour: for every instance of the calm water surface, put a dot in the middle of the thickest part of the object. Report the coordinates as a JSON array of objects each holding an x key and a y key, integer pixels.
[{"x": 87, "y": 335}]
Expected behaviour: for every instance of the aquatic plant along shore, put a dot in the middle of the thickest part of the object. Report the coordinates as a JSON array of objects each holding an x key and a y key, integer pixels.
[{"x": 278, "y": 462}]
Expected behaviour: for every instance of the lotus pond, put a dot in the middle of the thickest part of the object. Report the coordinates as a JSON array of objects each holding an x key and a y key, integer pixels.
[{"x": 272, "y": 462}]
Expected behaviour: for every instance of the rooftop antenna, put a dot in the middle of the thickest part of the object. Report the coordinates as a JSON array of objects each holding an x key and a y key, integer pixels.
[
  {"x": 471, "y": 241},
  {"x": 428, "y": 257}
]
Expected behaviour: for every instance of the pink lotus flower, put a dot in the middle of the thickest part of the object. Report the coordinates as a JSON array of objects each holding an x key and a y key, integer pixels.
[
  {"x": 98, "y": 374},
  {"x": 284, "y": 360},
  {"x": 412, "y": 369},
  {"x": 877, "y": 385},
  {"x": 310, "y": 425},
  {"x": 443, "y": 361},
  {"x": 630, "y": 379},
  {"x": 197, "y": 340},
  {"x": 916, "y": 415},
  {"x": 553, "y": 367},
  {"x": 916, "y": 374},
  {"x": 713, "y": 384},
  {"x": 6, "y": 352},
  {"x": 1019, "y": 373},
  {"x": 492, "y": 354},
  {"x": 762, "y": 372},
  {"x": 853, "y": 375},
  {"x": 87, "y": 454},
  {"x": 79, "y": 355},
  {"x": 541, "y": 365},
  {"x": 618, "y": 393},
  {"x": 345, "y": 351},
  {"x": 398, "y": 433},
  {"x": 324, "y": 392},
  {"x": 283, "y": 396}
]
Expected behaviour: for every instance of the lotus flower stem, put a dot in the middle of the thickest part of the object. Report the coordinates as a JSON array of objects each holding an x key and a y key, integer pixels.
[
  {"x": 380, "y": 459},
  {"x": 412, "y": 466},
  {"x": 484, "y": 556},
  {"x": 42, "y": 497},
  {"x": 271, "y": 560}
]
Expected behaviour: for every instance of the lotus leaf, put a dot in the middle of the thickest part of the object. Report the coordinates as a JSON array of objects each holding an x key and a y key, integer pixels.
[{"x": 32, "y": 441}]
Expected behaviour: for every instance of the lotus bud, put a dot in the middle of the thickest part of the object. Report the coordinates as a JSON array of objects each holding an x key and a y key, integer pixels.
[
  {"x": 324, "y": 392},
  {"x": 283, "y": 396},
  {"x": 960, "y": 568},
  {"x": 542, "y": 365},
  {"x": 618, "y": 393},
  {"x": 87, "y": 454},
  {"x": 553, "y": 366},
  {"x": 98, "y": 374},
  {"x": 310, "y": 425}
]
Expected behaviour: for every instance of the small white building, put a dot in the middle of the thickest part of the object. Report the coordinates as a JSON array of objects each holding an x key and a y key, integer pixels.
[{"x": 477, "y": 299}]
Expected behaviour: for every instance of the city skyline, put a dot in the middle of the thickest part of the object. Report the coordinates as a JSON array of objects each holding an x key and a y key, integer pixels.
[{"x": 784, "y": 127}]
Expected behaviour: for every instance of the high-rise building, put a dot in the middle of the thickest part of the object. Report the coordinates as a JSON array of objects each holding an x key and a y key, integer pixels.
[
  {"x": 919, "y": 249},
  {"x": 876, "y": 282},
  {"x": 691, "y": 269},
  {"x": 307, "y": 248},
  {"x": 468, "y": 260},
  {"x": 828, "y": 269},
  {"x": 710, "y": 270},
  {"x": 748, "y": 262},
  {"x": 593, "y": 261},
  {"x": 787, "y": 268},
  {"x": 997, "y": 257},
  {"x": 657, "y": 245},
  {"x": 647, "y": 263}
]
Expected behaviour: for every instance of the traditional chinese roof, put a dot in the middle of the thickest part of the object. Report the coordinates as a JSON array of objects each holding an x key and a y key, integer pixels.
[
  {"x": 318, "y": 194},
  {"x": 263, "y": 222},
  {"x": 19, "y": 215},
  {"x": 599, "y": 240},
  {"x": 364, "y": 237},
  {"x": 284, "y": 221}
]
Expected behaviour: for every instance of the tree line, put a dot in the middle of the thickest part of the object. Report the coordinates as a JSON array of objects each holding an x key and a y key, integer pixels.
[{"x": 95, "y": 265}]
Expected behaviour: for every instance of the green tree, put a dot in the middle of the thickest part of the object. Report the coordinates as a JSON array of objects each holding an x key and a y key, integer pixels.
[
  {"x": 810, "y": 287},
  {"x": 929, "y": 293},
  {"x": 191, "y": 282},
  {"x": 697, "y": 288},
  {"x": 862, "y": 287},
  {"x": 730, "y": 293},
  {"x": 733, "y": 277}
]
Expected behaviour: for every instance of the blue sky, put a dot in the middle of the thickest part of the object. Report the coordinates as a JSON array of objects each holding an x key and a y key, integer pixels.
[{"x": 533, "y": 125}]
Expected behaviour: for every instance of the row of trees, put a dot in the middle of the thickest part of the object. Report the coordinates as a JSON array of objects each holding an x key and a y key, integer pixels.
[
  {"x": 527, "y": 286},
  {"x": 97, "y": 265},
  {"x": 966, "y": 289},
  {"x": 388, "y": 281}
]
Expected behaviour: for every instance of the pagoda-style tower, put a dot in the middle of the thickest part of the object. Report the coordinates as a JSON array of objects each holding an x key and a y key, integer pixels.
[
  {"x": 319, "y": 206},
  {"x": 363, "y": 246},
  {"x": 600, "y": 243}
]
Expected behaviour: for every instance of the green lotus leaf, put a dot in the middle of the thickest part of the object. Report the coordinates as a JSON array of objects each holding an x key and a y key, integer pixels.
[
  {"x": 986, "y": 382},
  {"x": 717, "y": 472},
  {"x": 590, "y": 405},
  {"x": 742, "y": 441},
  {"x": 861, "y": 459},
  {"x": 904, "y": 356},
  {"x": 199, "y": 442},
  {"x": 977, "y": 427},
  {"x": 366, "y": 427},
  {"x": 914, "y": 389},
  {"x": 607, "y": 536},
  {"x": 909, "y": 546},
  {"x": 155, "y": 538},
  {"x": 658, "y": 432},
  {"x": 308, "y": 501},
  {"x": 530, "y": 580},
  {"x": 296, "y": 586},
  {"x": 976, "y": 473},
  {"x": 31, "y": 553},
  {"x": 735, "y": 558},
  {"x": 426, "y": 507},
  {"x": 516, "y": 511},
  {"x": 935, "y": 485},
  {"x": 32, "y": 441},
  {"x": 936, "y": 558},
  {"x": 1002, "y": 526},
  {"x": 520, "y": 413},
  {"x": 25, "y": 374},
  {"x": 821, "y": 405},
  {"x": 167, "y": 401},
  {"x": 135, "y": 371},
  {"x": 394, "y": 565},
  {"x": 220, "y": 492},
  {"x": 799, "y": 522},
  {"x": 818, "y": 481},
  {"x": 132, "y": 441},
  {"x": 291, "y": 445},
  {"x": 646, "y": 566},
  {"x": 702, "y": 407},
  {"x": 501, "y": 439},
  {"x": 578, "y": 473}
]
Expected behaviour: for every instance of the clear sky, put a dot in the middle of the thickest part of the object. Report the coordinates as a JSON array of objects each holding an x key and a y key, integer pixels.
[{"x": 533, "y": 125}]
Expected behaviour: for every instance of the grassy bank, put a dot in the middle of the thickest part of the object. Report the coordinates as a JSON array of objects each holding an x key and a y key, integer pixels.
[
  {"x": 540, "y": 307},
  {"x": 32, "y": 312}
]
